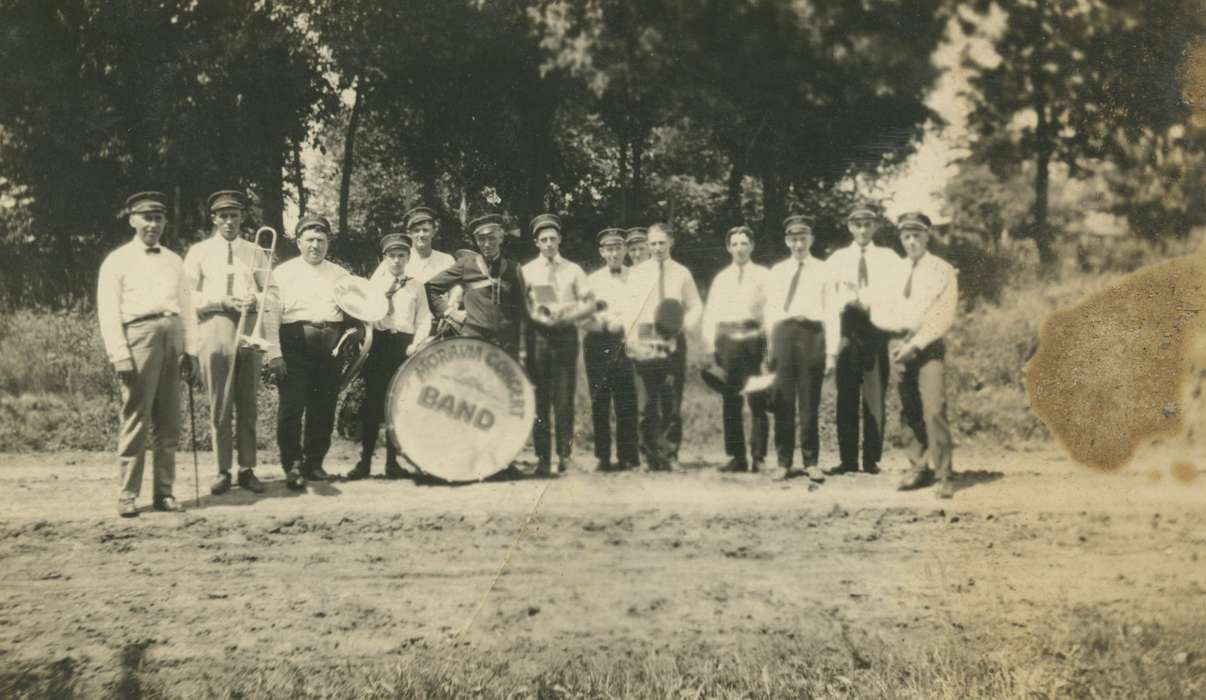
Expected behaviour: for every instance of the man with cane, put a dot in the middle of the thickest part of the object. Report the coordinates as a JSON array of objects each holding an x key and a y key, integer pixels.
[{"x": 140, "y": 299}]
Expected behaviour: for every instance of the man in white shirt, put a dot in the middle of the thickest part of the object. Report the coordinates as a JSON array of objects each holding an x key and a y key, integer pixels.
[
  {"x": 311, "y": 324},
  {"x": 803, "y": 324},
  {"x": 861, "y": 271},
  {"x": 407, "y": 321},
  {"x": 421, "y": 226},
  {"x": 927, "y": 302},
  {"x": 558, "y": 295},
  {"x": 140, "y": 299},
  {"x": 609, "y": 371},
  {"x": 221, "y": 275},
  {"x": 732, "y": 331},
  {"x": 662, "y": 372},
  {"x": 637, "y": 243}
]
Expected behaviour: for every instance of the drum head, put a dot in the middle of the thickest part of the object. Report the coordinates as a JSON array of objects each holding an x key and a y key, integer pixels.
[
  {"x": 356, "y": 298},
  {"x": 460, "y": 409}
]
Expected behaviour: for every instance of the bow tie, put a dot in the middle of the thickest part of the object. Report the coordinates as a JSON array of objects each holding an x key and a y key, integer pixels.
[{"x": 153, "y": 249}]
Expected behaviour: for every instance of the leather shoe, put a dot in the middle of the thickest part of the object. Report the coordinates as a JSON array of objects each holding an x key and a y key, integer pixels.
[
  {"x": 317, "y": 473},
  {"x": 564, "y": 464},
  {"x": 544, "y": 468},
  {"x": 360, "y": 471},
  {"x": 736, "y": 464},
  {"x": 249, "y": 482},
  {"x": 630, "y": 465},
  {"x": 603, "y": 465},
  {"x": 168, "y": 504},
  {"x": 393, "y": 470},
  {"x": 947, "y": 488},
  {"x": 871, "y": 468},
  {"x": 221, "y": 485},
  {"x": 127, "y": 508},
  {"x": 917, "y": 478},
  {"x": 840, "y": 469},
  {"x": 792, "y": 472},
  {"x": 759, "y": 465},
  {"x": 814, "y": 473},
  {"x": 295, "y": 481}
]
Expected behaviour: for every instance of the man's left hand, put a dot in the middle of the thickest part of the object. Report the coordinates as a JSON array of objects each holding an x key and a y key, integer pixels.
[{"x": 904, "y": 353}]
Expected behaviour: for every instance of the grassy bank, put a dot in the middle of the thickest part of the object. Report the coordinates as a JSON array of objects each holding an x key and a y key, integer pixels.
[{"x": 58, "y": 392}]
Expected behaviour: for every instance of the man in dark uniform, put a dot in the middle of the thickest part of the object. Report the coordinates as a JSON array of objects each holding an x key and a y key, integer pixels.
[{"x": 495, "y": 296}]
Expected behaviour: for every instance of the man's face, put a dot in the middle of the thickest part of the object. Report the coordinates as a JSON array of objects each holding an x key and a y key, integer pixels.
[
  {"x": 395, "y": 261},
  {"x": 740, "y": 248},
  {"x": 422, "y": 235},
  {"x": 914, "y": 241},
  {"x": 490, "y": 244},
  {"x": 228, "y": 222},
  {"x": 799, "y": 244},
  {"x": 613, "y": 255},
  {"x": 638, "y": 251},
  {"x": 862, "y": 228},
  {"x": 660, "y": 244},
  {"x": 313, "y": 245},
  {"x": 148, "y": 226},
  {"x": 548, "y": 241}
]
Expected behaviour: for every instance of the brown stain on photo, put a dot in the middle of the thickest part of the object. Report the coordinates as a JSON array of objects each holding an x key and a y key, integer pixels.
[
  {"x": 1185, "y": 472},
  {"x": 1109, "y": 373}
]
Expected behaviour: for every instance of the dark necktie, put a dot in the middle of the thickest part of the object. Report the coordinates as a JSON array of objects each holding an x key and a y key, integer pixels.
[
  {"x": 229, "y": 268},
  {"x": 393, "y": 289},
  {"x": 153, "y": 249},
  {"x": 553, "y": 277},
  {"x": 862, "y": 266},
  {"x": 909, "y": 283},
  {"x": 791, "y": 289},
  {"x": 661, "y": 280}
]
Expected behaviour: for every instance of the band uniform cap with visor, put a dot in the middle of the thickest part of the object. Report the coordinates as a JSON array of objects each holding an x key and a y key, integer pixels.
[
  {"x": 797, "y": 225},
  {"x": 489, "y": 223},
  {"x": 863, "y": 210},
  {"x": 313, "y": 221},
  {"x": 543, "y": 221},
  {"x": 395, "y": 241},
  {"x": 637, "y": 234},
  {"x": 914, "y": 220},
  {"x": 226, "y": 199},
  {"x": 146, "y": 203},
  {"x": 611, "y": 236},
  {"x": 416, "y": 216}
]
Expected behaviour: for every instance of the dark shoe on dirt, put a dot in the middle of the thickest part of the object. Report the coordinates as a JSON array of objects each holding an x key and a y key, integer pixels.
[
  {"x": 871, "y": 468},
  {"x": 317, "y": 473},
  {"x": 168, "y": 504},
  {"x": 295, "y": 481},
  {"x": 758, "y": 466},
  {"x": 249, "y": 482},
  {"x": 393, "y": 470},
  {"x": 221, "y": 485},
  {"x": 360, "y": 471},
  {"x": 814, "y": 474},
  {"x": 736, "y": 464},
  {"x": 603, "y": 465},
  {"x": 127, "y": 508},
  {"x": 840, "y": 469},
  {"x": 916, "y": 479}
]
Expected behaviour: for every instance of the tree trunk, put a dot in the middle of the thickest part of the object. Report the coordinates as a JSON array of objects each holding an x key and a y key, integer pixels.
[
  {"x": 772, "y": 200},
  {"x": 1041, "y": 230},
  {"x": 638, "y": 184},
  {"x": 624, "y": 184},
  {"x": 274, "y": 186},
  {"x": 297, "y": 177},
  {"x": 733, "y": 199},
  {"x": 349, "y": 149}
]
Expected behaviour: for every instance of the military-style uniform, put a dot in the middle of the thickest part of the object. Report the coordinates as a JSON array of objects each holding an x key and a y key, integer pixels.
[
  {"x": 140, "y": 300},
  {"x": 495, "y": 296}
]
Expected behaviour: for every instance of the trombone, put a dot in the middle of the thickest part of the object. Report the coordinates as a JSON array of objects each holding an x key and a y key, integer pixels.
[{"x": 254, "y": 338}]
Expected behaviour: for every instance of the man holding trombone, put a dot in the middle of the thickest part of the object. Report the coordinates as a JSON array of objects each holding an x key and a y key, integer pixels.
[{"x": 226, "y": 274}]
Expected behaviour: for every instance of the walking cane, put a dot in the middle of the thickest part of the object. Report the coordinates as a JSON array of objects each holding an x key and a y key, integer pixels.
[{"x": 192, "y": 429}]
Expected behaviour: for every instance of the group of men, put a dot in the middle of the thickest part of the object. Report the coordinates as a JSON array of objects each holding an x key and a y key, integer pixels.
[{"x": 162, "y": 317}]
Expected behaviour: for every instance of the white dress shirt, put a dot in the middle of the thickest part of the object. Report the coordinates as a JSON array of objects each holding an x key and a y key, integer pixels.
[
  {"x": 737, "y": 295},
  {"x": 423, "y": 269},
  {"x": 561, "y": 278},
  {"x": 928, "y": 313},
  {"x": 208, "y": 269},
  {"x": 410, "y": 313},
  {"x": 883, "y": 269},
  {"x": 612, "y": 289},
  {"x": 307, "y": 292},
  {"x": 134, "y": 282},
  {"x": 814, "y": 298},
  {"x": 643, "y": 295}
]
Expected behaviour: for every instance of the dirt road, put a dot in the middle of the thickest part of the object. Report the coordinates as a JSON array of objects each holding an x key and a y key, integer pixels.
[{"x": 355, "y": 576}]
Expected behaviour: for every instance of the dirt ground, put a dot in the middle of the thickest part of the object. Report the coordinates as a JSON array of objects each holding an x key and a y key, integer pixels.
[{"x": 355, "y": 575}]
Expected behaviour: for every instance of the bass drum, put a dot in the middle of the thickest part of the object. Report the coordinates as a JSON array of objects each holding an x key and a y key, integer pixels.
[{"x": 460, "y": 409}]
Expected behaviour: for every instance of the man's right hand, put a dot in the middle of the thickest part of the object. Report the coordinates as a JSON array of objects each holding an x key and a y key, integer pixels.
[
  {"x": 274, "y": 371},
  {"x": 457, "y": 316}
]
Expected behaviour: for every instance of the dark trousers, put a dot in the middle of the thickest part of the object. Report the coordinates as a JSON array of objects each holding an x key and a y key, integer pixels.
[
  {"x": 799, "y": 352},
  {"x": 310, "y": 388},
  {"x": 742, "y": 359},
  {"x": 660, "y": 392},
  {"x": 862, "y": 378},
  {"x": 923, "y": 410},
  {"x": 552, "y": 367},
  {"x": 610, "y": 376},
  {"x": 386, "y": 356}
]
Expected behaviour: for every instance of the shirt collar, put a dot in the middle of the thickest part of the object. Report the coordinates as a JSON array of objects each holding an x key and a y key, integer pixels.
[{"x": 555, "y": 260}]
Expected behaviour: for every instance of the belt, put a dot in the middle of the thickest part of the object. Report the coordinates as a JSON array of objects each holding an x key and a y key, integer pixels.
[
  {"x": 149, "y": 317},
  {"x": 315, "y": 324},
  {"x": 806, "y": 322},
  {"x": 232, "y": 315},
  {"x": 737, "y": 327}
]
